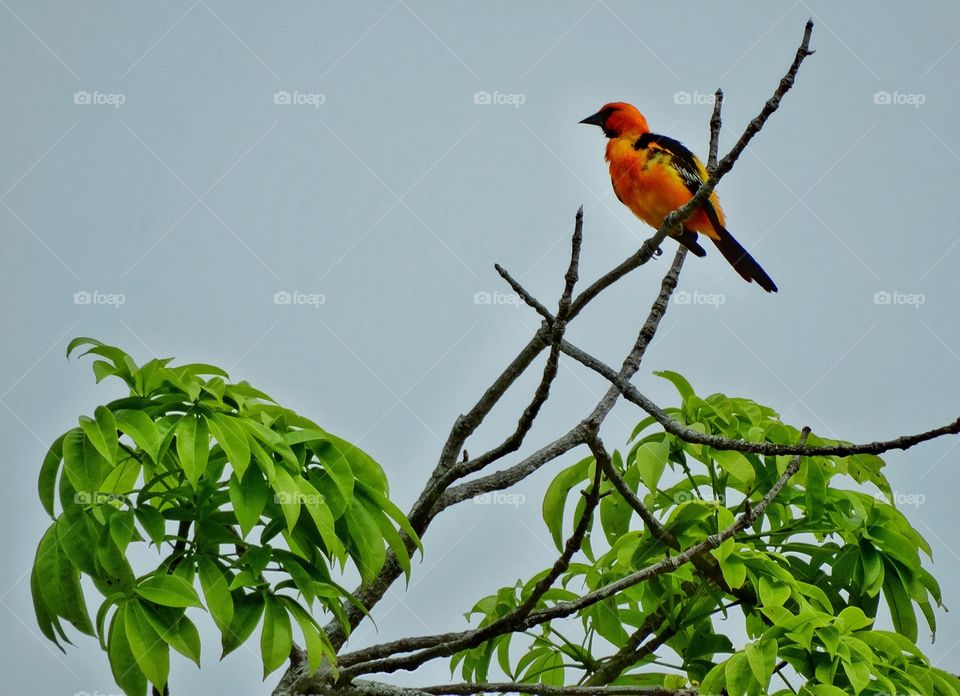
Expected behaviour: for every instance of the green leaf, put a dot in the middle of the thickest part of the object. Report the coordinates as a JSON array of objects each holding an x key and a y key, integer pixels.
[
  {"x": 148, "y": 648},
  {"x": 288, "y": 496},
  {"x": 123, "y": 664},
  {"x": 247, "y": 610},
  {"x": 216, "y": 591},
  {"x": 762, "y": 656},
  {"x": 276, "y": 638},
  {"x": 316, "y": 639},
  {"x": 49, "y": 623},
  {"x": 650, "y": 459},
  {"x": 121, "y": 528},
  {"x": 193, "y": 446},
  {"x": 362, "y": 465},
  {"x": 152, "y": 522},
  {"x": 47, "y": 481},
  {"x": 176, "y": 629},
  {"x": 738, "y": 674},
  {"x": 83, "y": 466},
  {"x": 59, "y": 583},
  {"x": 366, "y": 547},
  {"x": 385, "y": 504},
  {"x": 735, "y": 464},
  {"x": 320, "y": 514},
  {"x": 554, "y": 501},
  {"x": 273, "y": 441},
  {"x": 102, "y": 432},
  {"x": 140, "y": 428},
  {"x": 772, "y": 592},
  {"x": 678, "y": 381},
  {"x": 232, "y": 439},
  {"x": 168, "y": 591},
  {"x": 898, "y": 601},
  {"x": 249, "y": 497},
  {"x": 858, "y": 673},
  {"x": 734, "y": 571}
]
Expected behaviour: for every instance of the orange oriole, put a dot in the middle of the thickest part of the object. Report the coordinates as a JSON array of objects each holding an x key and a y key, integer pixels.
[{"x": 653, "y": 175}]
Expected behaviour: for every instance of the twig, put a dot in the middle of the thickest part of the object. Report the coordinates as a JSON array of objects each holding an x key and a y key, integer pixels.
[
  {"x": 557, "y": 326},
  {"x": 524, "y": 294},
  {"x": 715, "y": 124}
]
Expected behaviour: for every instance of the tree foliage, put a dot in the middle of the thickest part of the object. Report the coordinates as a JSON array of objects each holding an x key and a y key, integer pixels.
[
  {"x": 194, "y": 491},
  {"x": 804, "y": 584}
]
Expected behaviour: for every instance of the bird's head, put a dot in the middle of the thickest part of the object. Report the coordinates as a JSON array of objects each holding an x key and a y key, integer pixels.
[{"x": 617, "y": 119}]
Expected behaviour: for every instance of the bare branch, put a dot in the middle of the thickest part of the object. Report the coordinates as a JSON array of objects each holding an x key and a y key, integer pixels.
[
  {"x": 371, "y": 688},
  {"x": 687, "y": 434},
  {"x": 544, "y": 690},
  {"x": 557, "y": 326},
  {"x": 715, "y": 124},
  {"x": 524, "y": 294}
]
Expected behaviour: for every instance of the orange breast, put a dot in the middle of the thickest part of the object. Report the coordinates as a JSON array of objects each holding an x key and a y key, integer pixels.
[{"x": 647, "y": 184}]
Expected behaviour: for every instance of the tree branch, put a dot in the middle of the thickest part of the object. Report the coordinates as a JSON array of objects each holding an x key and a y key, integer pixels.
[
  {"x": 472, "y": 638},
  {"x": 687, "y": 434},
  {"x": 505, "y": 624},
  {"x": 434, "y": 497}
]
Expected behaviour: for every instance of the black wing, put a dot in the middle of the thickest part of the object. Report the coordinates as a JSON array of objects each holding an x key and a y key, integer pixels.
[
  {"x": 684, "y": 161},
  {"x": 686, "y": 164}
]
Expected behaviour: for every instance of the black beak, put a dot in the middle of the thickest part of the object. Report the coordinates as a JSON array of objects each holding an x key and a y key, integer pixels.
[{"x": 596, "y": 119}]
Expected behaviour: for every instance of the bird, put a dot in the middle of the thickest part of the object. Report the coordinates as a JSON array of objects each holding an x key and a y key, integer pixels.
[{"x": 654, "y": 174}]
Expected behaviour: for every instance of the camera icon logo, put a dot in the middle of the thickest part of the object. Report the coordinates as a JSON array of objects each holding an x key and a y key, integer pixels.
[
  {"x": 281, "y": 97},
  {"x": 282, "y": 297},
  {"x": 482, "y": 97},
  {"x": 882, "y": 97},
  {"x": 82, "y": 97}
]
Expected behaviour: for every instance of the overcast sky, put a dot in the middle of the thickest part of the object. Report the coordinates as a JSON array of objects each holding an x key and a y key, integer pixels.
[{"x": 170, "y": 167}]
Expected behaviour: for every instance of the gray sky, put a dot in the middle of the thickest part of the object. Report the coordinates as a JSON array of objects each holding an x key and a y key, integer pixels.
[{"x": 385, "y": 189}]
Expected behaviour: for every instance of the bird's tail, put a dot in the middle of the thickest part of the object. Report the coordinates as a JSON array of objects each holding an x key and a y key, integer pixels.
[{"x": 742, "y": 262}]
